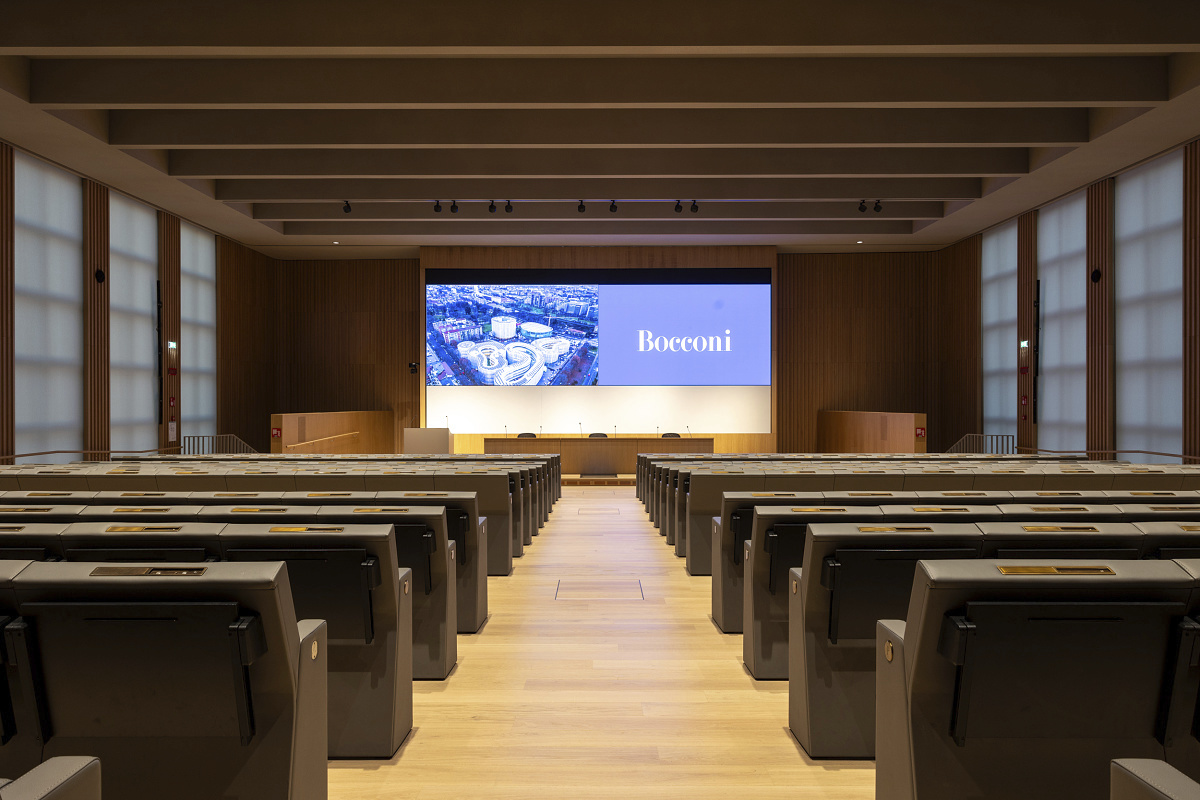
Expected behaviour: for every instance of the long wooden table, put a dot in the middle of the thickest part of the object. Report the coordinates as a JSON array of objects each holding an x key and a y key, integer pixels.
[{"x": 587, "y": 456}]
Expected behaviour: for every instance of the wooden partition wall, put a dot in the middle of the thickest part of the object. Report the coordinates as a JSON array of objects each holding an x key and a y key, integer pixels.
[
  {"x": 308, "y": 336},
  {"x": 879, "y": 332},
  {"x": 333, "y": 432}
]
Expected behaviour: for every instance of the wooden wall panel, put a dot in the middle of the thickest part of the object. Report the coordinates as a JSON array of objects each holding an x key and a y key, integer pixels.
[
  {"x": 308, "y": 336},
  {"x": 247, "y": 360},
  {"x": 345, "y": 337},
  {"x": 855, "y": 334},
  {"x": 596, "y": 257},
  {"x": 1191, "y": 301},
  {"x": 1101, "y": 389},
  {"x": 8, "y": 439},
  {"x": 96, "y": 416},
  {"x": 169, "y": 281},
  {"x": 957, "y": 374},
  {"x": 1026, "y": 321}
]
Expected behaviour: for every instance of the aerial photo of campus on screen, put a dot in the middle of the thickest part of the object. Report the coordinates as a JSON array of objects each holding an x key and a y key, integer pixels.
[{"x": 503, "y": 335}]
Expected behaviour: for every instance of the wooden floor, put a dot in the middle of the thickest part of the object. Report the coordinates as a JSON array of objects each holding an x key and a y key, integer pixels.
[{"x": 599, "y": 693}]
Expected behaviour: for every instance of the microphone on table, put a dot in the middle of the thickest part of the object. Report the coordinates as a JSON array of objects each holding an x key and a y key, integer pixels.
[
  {"x": 505, "y": 431},
  {"x": 539, "y": 431},
  {"x": 655, "y": 431},
  {"x": 689, "y": 430},
  {"x": 614, "y": 431},
  {"x": 581, "y": 430}
]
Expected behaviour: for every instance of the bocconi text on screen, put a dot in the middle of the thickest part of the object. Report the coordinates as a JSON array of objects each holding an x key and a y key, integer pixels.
[{"x": 647, "y": 341}]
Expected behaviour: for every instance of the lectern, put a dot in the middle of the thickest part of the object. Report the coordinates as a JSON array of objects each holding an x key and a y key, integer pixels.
[{"x": 438, "y": 441}]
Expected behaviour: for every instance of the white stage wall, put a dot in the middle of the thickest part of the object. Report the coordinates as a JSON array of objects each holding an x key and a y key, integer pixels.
[{"x": 632, "y": 409}]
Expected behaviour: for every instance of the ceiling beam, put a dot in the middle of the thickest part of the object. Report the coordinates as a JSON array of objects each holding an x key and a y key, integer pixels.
[
  {"x": 616, "y": 27},
  {"x": 566, "y": 210},
  {"x": 450, "y": 128},
  {"x": 581, "y": 82},
  {"x": 560, "y": 162},
  {"x": 265, "y": 190},
  {"x": 606, "y": 227}
]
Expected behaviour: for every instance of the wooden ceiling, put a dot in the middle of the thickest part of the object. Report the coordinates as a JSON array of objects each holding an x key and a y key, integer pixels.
[{"x": 777, "y": 118}]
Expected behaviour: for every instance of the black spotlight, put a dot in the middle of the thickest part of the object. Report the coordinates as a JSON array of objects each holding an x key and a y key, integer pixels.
[
  {"x": 878, "y": 206},
  {"x": 345, "y": 206},
  {"x": 508, "y": 207},
  {"x": 412, "y": 367},
  {"x": 453, "y": 206},
  {"x": 862, "y": 206},
  {"x": 695, "y": 207},
  {"x": 678, "y": 206},
  {"x": 437, "y": 206},
  {"x": 492, "y": 207},
  {"x": 613, "y": 206},
  {"x": 582, "y": 207}
]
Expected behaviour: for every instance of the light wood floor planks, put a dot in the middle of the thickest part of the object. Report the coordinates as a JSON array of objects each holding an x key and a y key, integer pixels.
[{"x": 600, "y": 698}]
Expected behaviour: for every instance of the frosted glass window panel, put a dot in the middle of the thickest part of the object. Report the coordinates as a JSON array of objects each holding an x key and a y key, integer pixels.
[
  {"x": 998, "y": 334},
  {"x": 198, "y": 332},
  {"x": 132, "y": 320},
  {"x": 1062, "y": 270},
  {"x": 48, "y": 310},
  {"x": 1148, "y": 287}
]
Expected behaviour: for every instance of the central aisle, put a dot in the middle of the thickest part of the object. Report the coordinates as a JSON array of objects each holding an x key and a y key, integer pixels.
[{"x": 599, "y": 693}]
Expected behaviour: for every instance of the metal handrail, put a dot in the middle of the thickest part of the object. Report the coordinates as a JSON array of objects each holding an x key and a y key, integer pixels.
[
  {"x": 985, "y": 443},
  {"x": 215, "y": 444},
  {"x": 322, "y": 439},
  {"x": 90, "y": 452},
  {"x": 1180, "y": 456}
]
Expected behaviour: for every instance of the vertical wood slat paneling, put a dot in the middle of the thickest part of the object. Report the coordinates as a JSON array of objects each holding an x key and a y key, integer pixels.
[
  {"x": 1026, "y": 323},
  {"x": 247, "y": 366},
  {"x": 8, "y": 437},
  {"x": 1191, "y": 301},
  {"x": 308, "y": 336},
  {"x": 958, "y": 371},
  {"x": 855, "y": 334},
  {"x": 96, "y": 416},
  {"x": 169, "y": 285},
  {"x": 683, "y": 257},
  {"x": 1101, "y": 389}
]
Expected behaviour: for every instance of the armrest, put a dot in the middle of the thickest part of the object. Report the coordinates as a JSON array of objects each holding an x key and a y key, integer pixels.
[
  {"x": 1150, "y": 779},
  {"x": 310, "y": 748},
  {"x": 62, "y": 778},
  {"x": 893, "y": 746}
]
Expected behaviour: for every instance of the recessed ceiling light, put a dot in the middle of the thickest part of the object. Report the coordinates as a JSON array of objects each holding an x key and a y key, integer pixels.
[
  {"x": 337, "y": 242},
  {"x": 860, "y": 242}
]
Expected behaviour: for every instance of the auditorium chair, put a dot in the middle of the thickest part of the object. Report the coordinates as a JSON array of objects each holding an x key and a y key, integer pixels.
[
  {"x": 1027, "y": 678},
  {"x": 733, "y": 528},
  {"x": 597, "y": 435},
  {"x": 858, "y": 574},
  {"x": 526, "y": 435},
  {"x": 1150, "y": 779},
  {"x": 670, "y": 436},
  {"x": 62, "y": 778},
  {"x": 190, "y": 681}
]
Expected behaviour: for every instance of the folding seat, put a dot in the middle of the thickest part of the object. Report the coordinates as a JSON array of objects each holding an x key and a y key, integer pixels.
[
  {"x": 853, "y": 575},
  {"x": 493, "y": 493},
  {"x": 141, "y": 541},
  {"x": 704, "y": 490},
  {"x": 348, "y": 576},
  {"x": 777, "y": 544},
  {"x": 730, "y": 531},
  {"x": 62, "y": 778},
  {"x": 1024, "y": 679},
  {"x": 1051, "y": 536},
  {"x": 190, "y": 681},
  {"x": 1149, "y": 779},
  {"x": 422, "y": 545},
  {"x": 468, "y": 531},
  {"x": 1169, "y": 540}
]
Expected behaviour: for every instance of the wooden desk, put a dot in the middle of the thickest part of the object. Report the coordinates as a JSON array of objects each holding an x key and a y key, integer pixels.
[{"x": 587, "y": 456}]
